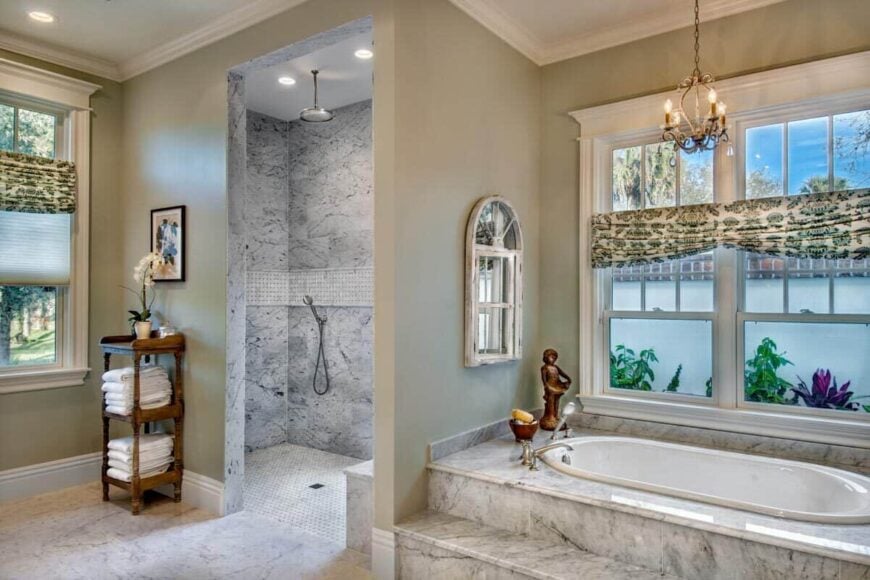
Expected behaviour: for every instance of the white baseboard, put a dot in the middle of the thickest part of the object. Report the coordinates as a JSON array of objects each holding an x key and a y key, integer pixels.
[
  {"x": 31, "y": 480},
  {"x": 383, "y": 554},
  {"x": 197, "y": 490},
  {"x": 200, "y": 492}
]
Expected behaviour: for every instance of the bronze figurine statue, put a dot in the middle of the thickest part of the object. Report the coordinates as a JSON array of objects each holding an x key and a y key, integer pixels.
[{"x": 556, "y": 384}]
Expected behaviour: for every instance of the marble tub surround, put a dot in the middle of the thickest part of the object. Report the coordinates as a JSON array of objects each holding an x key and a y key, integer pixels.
[
  {"x": 849, "y": 458},
  {"x": 472, "y": 437},
  {"x": 488, "y": 485},
  {"x": 440, "y": 546},
  {"x": 360, "y": 506}
]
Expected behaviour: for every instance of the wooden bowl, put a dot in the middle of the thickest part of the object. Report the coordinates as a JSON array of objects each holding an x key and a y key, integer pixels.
[{"x": 523, "y": 431}]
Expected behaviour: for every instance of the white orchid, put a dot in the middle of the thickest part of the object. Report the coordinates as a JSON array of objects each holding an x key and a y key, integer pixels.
[{"x": 143, "y": 274}]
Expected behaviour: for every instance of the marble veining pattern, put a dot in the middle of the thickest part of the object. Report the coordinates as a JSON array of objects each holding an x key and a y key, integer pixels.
[
  {"x": 453, "y": 547},
  {"x": 266, "y": 193},
  {"x": 360, "y": 506},
  {"x": 72, "y": 534},
  {"x": 472, "y": 437},
  {"x": 496, "y": 462},
  {"x": 266, "y": 361}
]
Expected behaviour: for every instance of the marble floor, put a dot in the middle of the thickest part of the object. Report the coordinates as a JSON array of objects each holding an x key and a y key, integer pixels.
[
  {"x": 72, "y": 534},
  {"x": 278, "y": 484}
]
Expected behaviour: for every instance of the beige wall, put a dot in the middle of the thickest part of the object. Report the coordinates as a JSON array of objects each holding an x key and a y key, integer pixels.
[
  {"x": 467, "y": 124},
  {"x": 43, "y": 426},
  {"x": 780, "y": 34}
]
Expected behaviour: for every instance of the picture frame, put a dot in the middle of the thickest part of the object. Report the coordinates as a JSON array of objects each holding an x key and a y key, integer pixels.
[{"x": 168, "y": 237}]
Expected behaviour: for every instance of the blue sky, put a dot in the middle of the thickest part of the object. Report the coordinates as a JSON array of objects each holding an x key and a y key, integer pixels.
[{"x": 807, "y": 151}]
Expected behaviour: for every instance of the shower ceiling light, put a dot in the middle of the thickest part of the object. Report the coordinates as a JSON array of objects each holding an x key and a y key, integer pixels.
[
  {"x": 364, "y": 54},
  {"x": 287, "y": 81},
  {"x": 42, "y": 17},
  {"x": 316, "y": 114}
]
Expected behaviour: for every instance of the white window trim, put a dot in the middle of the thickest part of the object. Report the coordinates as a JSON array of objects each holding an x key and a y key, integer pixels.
[
  {"x": 72, "y": 96},
  {"x": 831, "y": 83}
]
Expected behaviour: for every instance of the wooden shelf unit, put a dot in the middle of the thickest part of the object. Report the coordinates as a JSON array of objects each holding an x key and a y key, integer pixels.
[{"x": 137, "y": 349}]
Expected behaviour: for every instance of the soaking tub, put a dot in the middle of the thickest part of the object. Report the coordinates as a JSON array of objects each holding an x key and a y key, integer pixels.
[{"x": 778, "y": 487}]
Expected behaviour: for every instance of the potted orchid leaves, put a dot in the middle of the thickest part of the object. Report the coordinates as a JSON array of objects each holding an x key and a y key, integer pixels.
[{"x": 143, "y": 275}]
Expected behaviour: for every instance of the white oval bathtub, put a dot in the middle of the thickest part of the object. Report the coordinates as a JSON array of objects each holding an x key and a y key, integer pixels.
[{"x": 778, "y": 487}]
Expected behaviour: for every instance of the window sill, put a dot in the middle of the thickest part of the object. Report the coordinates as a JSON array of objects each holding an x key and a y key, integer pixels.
[
  {"x": 803, "y": 428},
  {"x": 39, "y": 380}
]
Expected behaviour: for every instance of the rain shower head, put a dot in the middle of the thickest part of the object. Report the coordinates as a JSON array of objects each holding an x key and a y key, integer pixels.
[{"x": 316, "y": 114}]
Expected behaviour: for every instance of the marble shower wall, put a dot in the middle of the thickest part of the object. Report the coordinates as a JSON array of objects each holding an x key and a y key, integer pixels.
[{"x": 319, "y": 218}]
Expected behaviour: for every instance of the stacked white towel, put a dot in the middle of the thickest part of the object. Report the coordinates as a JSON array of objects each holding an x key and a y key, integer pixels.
[
  {"x": 155, "y": 456},
  {"x": 155, "y": 390}
]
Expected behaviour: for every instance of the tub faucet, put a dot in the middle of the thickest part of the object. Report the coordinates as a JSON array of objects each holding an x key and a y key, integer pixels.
[
  {"x": 530, "y": 456},
  {"x": 570, "y": 409}
]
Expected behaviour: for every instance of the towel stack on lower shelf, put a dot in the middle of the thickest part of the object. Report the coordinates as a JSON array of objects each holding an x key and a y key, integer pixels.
[
  {"x": 155, "y": 456},
  {"x": 155, "y": 390}
]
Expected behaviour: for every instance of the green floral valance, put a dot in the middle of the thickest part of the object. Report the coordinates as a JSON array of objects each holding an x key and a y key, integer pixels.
[
  {"x": 36, "y": 184},
  {"x": 816, "y": 225}
]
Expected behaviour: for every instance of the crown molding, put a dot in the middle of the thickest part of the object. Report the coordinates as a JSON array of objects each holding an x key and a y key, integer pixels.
[
  {"x": 60, "y": 56},
  {"x": 217, "y": 29},
  {"x": 491, "y": 16},
  {"x": 49, "y": 87}
]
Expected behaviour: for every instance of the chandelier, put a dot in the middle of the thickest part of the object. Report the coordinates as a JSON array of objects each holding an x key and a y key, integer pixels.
[{"x": 701, "y": 128}]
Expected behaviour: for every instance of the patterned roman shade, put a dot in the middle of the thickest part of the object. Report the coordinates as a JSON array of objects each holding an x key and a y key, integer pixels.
[
  {"x": 833, "y": 225},
  {"x": 36, "y": 185}
]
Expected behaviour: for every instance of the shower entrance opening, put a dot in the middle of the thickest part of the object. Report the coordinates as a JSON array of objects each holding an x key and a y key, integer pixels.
[{"x": 300, "y": 285}]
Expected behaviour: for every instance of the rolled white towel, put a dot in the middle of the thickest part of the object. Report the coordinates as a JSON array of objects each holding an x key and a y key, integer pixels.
[
  {"x": 126, "y": 373},
  {"x": 144, "y": 466},
  {"x": 147, "y": 455},
  {"x": 119, "y": 399},
  {"x": 147, "y": 441},
  {"x": 121, "y": 475},
  {"x": 123, "y": 409},
  {"x": 145, "y": 387}
]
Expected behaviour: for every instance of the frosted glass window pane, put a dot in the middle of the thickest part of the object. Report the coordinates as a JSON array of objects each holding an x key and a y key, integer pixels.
[
  {"x": 661, "y": 294},
  {"x": 646, "y": 355},
  {"x": 808, "y": 156},
  {"x": 808, "y": 286},
  {"x": 852, "y": 150},
  {"x": 763, "y": 283},
  {"x": 30, "y": 335},
  {"x": 626, "y": 179},
  {"x": 839, "y": 348},
  {"x": 7, "y": 127},
  {"x": 696, "y": 283},
  {"x": 626, "y": 293},
  {"x": 661, "y": 177},
  {"x": 696, "y": 177},
  {"x": 852, "y": 287},
  {"x": 764, "y": 176},
  {"x": 36, "y": 248}
]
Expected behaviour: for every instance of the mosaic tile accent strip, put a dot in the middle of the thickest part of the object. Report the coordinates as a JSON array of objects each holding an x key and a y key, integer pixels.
[{"x": 329, "y": 287}]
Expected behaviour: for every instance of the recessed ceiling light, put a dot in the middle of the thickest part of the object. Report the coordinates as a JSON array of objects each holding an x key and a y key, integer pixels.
[
  {"x": 39, "y": 16},
  {"x": 287, "y": 81},
  {"x": 364, "y": 54}
]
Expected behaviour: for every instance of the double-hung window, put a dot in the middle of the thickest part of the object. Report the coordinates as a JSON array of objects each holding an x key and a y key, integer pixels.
[
  {"x": 728, "y": 338},
  {"x": 44, "y": 122}
]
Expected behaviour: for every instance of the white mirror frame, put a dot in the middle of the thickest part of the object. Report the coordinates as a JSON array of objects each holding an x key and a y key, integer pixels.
[{"x": 513, "y": 332}]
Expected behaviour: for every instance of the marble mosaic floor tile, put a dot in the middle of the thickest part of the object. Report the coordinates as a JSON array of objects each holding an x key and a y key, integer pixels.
[
  {"x": 278, "y": 484},
  {"x": 72, "y": 534}
]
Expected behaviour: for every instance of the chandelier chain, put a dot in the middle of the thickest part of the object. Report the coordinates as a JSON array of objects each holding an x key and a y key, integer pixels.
[{"x": 697, "y": 70}]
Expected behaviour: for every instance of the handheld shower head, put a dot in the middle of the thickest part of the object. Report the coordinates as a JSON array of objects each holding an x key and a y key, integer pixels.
[{"x": 309, "y": 301}]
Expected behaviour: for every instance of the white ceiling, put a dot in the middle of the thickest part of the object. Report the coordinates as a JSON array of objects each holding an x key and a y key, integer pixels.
[
  {"x": 548, "y": 31},
  {"x": 119, "y": 39},
  {"x": 343, "y": 79}
]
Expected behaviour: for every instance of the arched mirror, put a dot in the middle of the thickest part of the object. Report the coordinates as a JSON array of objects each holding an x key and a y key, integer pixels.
[{"x": 493, "y": 283}]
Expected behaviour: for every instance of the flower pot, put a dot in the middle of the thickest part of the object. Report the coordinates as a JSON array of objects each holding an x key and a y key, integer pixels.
[{"x": 143, "y": 329}]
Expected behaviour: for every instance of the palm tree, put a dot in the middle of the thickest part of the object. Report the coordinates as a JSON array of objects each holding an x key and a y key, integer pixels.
[{"x": 819, "y": 184}]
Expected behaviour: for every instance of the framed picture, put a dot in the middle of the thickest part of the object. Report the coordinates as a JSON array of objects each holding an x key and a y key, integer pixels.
[{"x": 167, "y": 239}]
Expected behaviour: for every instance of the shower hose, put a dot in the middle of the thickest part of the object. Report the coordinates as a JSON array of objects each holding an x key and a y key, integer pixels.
[{"x": 321, "y": 356}]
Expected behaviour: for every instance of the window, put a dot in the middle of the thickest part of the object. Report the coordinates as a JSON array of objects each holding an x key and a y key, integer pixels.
[
  {"x": 801, "y": 325},
  {"x": 804, "y": 322},
  {"x": 659, "y": 320},
  {"x": 43, "y": 266},
  {"x": 36, "y": 252}
]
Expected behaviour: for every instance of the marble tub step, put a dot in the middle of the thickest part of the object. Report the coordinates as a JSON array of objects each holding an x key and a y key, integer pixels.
[{"x": 438, "y": 546}]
